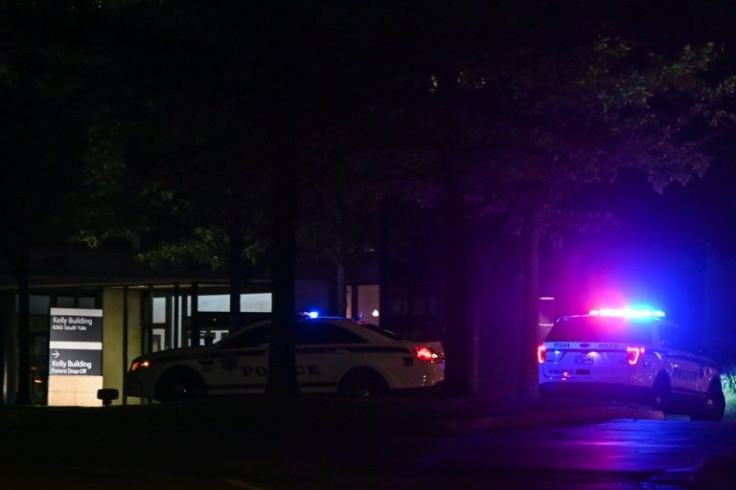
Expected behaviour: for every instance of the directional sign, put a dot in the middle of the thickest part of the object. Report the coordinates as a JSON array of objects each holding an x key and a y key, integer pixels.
[
  {"x": 76, "y": 362},
  {"x": 75, "y": 357},
  {"x": 75, "y": 342}
]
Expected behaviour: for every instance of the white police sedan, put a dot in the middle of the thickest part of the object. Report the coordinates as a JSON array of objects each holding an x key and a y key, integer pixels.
[
  {"x": 632, "y": 354},
  {"x": 333, "y": 355}
]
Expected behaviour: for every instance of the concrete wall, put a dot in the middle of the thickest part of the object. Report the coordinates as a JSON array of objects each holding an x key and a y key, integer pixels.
[{"x": 113, "y": 364}]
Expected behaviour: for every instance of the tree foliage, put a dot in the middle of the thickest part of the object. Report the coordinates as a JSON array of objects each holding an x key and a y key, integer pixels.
[
  {"x": 520, "y": 127},
  {"x": 47, "y": 100},
  {"x": 194, "y": 118}
]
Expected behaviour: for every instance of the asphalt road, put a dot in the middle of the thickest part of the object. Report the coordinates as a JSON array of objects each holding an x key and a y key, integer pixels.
[
  {"x": 187, "y": 449},
  {"x": 619, "y": 454}
]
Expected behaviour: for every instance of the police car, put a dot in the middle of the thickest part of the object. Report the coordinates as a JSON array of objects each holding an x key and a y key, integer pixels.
[
  {"x": 333, "y": 355},
  {"x": 633, "y": 354}
]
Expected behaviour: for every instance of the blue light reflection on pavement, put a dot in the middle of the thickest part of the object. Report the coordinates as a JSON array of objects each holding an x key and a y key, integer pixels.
[{"x": 618, "y": 454}]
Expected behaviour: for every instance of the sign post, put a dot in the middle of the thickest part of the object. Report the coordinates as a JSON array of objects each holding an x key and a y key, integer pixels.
[{"x": 75, "y": 356}]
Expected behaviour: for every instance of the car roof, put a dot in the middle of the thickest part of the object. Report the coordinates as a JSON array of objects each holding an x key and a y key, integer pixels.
[{"x": 368, "y": 330}]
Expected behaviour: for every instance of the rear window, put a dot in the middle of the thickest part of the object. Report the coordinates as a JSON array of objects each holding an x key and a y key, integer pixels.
[
  {"x": 382, "y": 331},
  {"x": 602, "y": 329},
  {"x": 319, "y": 332}
]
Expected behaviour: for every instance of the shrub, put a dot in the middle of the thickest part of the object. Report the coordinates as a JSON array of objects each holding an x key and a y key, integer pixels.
[{"x": 728, "y": 382}]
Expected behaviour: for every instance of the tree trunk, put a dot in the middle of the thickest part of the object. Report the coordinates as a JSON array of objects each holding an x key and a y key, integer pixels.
[
  {"x": 339, "y": 294},
  {"x": 195, "y": 327},
  {"x": 458, "y": 374},
  {"x": 281, "y": 363},
  {"x": 236, "y": 274},
  {"x": 383, "y": 263},
  {"x": 24, "y": 321},
  {"x": 529, "y": 368}
]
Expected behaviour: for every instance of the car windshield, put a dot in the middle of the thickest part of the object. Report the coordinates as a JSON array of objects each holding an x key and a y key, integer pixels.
[{"x": 602, "y": 329}]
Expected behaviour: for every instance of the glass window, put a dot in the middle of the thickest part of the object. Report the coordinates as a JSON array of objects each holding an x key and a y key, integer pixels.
[
  {"x": 40, "y": 305},
  {"x": 86, "y": 302},
  {"x": 381, "y": 331},
  {"x": 213, "y": 302},
  {"x": 65, "y": 301},
  {"x": 159, "y": 310},
  {"x": 307, "y": 333},
  {"x": 252, "y": 337},
  {"x": 158, "y": 339},
  {"x": 670, "y": 335},
  {"x": 601, "y": 329},
  {"x": 316, "y": 332},
  {"x": 255, "y": 303},
  {"x": 250, "y": 303}
]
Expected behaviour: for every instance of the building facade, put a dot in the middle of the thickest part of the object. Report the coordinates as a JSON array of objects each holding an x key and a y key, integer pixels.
[{"x": 143, "y": 310}]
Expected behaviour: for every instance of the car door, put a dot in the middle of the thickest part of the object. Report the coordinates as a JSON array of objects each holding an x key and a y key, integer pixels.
[
  {"x": 239, "y": 363},
  {"x": 324, "y": 352},
  {"x": 688, "y": 370}
]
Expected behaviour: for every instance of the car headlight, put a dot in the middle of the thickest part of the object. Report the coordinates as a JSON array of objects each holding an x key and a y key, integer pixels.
[{"x": 140, "y": 364}]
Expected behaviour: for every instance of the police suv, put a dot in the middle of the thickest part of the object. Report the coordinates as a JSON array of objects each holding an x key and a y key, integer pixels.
[
  {"x": 333, "y": 355},
  {"x": 631, "y": 354}
]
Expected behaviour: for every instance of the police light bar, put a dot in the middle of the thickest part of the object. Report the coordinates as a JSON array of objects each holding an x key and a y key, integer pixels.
[
  {"x": 628, "y": 313},
  {"x": 313, "y": 314}
]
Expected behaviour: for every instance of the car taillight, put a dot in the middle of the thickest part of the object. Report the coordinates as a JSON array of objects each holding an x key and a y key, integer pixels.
[
  {"x": 424, "y": 353},
  {"x": 541, "y": 353},
  {"x": 633, "y": 354},
  {"x": 140, "y": 364}
]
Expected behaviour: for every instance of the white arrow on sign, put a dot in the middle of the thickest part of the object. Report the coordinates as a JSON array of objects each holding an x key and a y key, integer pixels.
[{"x": 55, "y": 354}]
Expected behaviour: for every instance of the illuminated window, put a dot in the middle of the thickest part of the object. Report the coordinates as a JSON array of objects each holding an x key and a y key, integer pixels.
[
  {"x": 159, "y": 310},
  {"x": 251, "y": 303}
]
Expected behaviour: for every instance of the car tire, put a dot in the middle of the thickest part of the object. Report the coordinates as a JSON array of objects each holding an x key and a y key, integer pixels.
[
  {"x": 179, "y": 385},
  {"x": 714, "y": 404},
  {"x": 661, "y": 393},
  {"x": 362, "y": 384}
]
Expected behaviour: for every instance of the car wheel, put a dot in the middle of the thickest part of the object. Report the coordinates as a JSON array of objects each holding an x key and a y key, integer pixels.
[
  {"x": 363, "y": 384},
  {"x": 180, "y": 384},
  {"x": 661, "y": 392},
  {"x": 713, "y": 406}
]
